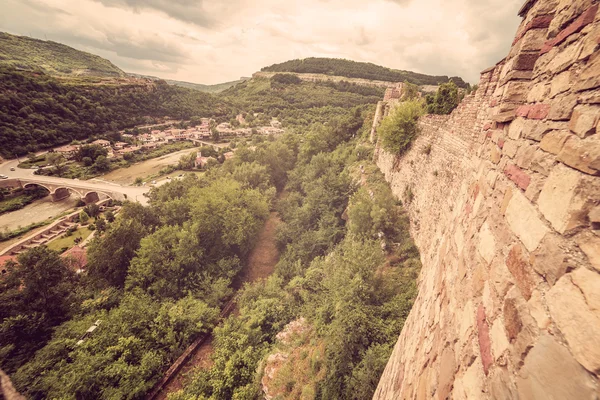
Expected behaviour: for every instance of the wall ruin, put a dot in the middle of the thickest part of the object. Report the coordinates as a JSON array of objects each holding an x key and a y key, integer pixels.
[{"x": 505, "y": 208}]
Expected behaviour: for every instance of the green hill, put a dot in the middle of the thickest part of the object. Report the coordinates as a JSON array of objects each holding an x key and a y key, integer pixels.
[
  {"x": 53, "y": 58},
  {"x": 353, "y": 69},
  {"x": 219, "y": 87}
]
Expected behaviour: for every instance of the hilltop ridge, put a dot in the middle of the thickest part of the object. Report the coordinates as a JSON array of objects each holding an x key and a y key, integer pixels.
[{"x": 54, "y": 58}]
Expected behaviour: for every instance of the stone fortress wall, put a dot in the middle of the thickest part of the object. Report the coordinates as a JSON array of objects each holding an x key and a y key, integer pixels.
[{"x": 504, "y": 200}]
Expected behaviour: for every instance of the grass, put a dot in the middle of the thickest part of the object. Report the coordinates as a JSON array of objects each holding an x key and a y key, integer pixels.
[{"x": 66, "y": 242}]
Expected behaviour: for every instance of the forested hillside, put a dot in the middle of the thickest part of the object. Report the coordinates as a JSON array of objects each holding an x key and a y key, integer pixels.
[
  {"x": 353, "y": 69},
  {"x": 39, "y": 111},
  {"x": 297, "y": 103},
  {"x": 53, "y": 58}
]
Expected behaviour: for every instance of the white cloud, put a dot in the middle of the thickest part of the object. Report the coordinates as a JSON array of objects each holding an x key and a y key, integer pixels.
[{"x": 211, "y": 41}]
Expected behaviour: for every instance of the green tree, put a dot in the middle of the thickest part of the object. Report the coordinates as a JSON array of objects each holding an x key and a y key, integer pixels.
[
  {"x": 399, "y": 129},
  {"x": 57, "y": 160},
  {"x": 101, "y": 164},
  {"x": 445, "y": 100},
  {"x": 84, "y": 218}
]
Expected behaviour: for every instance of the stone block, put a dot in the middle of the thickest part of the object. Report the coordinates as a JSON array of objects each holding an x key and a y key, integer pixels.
[
  {"x": 501, "y": 278},
  {"x": 526, "y": 61},
  {"x": 510, "y": 148},
  {"x": 594, "y": 215},
  {"x": 535, "y": 188},
  {"x": 538, "y": 311},
  {"x": 470, "y": 385},
  {"x": 447, "y": 371},
  {"x": 589, "y": 76},
  {"x": 560, "y": 83},
  {"x": 504, "y": 117},
  {"x": 515, "y": 92},
  {"x": 501, "y": 385},
  {"x": 583, "y": 155},
  {"x": 525, "y": 155},
  {"x": 562, "y": 107},
  {"x": 499, "y": 340},
  {"x": 523, "y": 220},
  {"x": 518, "y": 264},
  {"x": 483, "y": 334},
  {"x": 495, "y": 154},
  {"x": 574, "y": 304},
  {"x": 539, "y": 111},
  {"x": 487, "y": 243},
  {"x": 516, "y": 128},
  {"x": 542, "y": 162},
  {"x": 533, "y": 40},
  {"x": 584, "y": 120},
  {"x": 566, "y": 12},
  {"x": 554, "y": 141},
  {"x": 590, "y": 245},
  {"x": 518, "y": 176},
  {"x": 550, "y": 372},
  {"x": 512, "y": 320},
  {"x": 551, "y": 260},
  {"x": 563, "y": 59},
  {"x": 539, "y": 92},
  {"x": 561, "y": 201}
]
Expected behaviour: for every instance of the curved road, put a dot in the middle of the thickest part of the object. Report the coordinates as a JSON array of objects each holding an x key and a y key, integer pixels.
[{"x": 133, "y": 193}]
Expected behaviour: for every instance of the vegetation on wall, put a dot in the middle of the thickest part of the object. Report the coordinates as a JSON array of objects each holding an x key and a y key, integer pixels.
[
  {"x": 353, "y": 69},
  {"x": 445, "y": 99},
  {"x": 400, "y": 128}
]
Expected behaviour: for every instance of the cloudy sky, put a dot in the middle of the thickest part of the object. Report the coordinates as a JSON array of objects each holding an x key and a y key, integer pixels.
[{"x": 213, "y": 41}]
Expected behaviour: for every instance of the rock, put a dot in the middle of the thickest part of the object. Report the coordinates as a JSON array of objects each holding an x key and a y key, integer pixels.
[
  {"x": 562, "y": 107},
  {"x": 560, "y": 83},
  {"x": 542, "y": 162},
  {"x": 584, "y": 120},
  {"x": 524, "y": 222},
  {"x": 501, "y": 278},
  {"x": 594, "y": 215},
  {"x": 575, "y": 307},
  {"x": 510, "y": 148},
  {"x": 519, "y": 267},
  {"x": 537, "y": 310},
  {"x": 487, "y": 243},
  {"x": 495, "y": 154},
  {"x": 470, "y": 385},
  {"x": 501, "y": 385},
  {"x": 539, "y": 111},
  {"x": 550, "y": 372},
  {"x": 583, "y": 155},
  {"x": 518, "y": 176},
  {"x": 560, "y": 201},
  {"x": 584, "y": 19},
  {"x": 525, "y": 155},
  {"x": 446, "y": 373},
  {"x": 535, "y": 188},
  {"x": 539, "y": 92},
  {"x": 554, "y": 141},
  {"x": 526, "y": 61},
  {"x": 564, "y": 58},
  {"x": 517, "y": 127},
  {"x": 589, "y": 76},
  {"x": 483, "y": 334},
  {"x": 551, "y": 260},
  {"x": 590, "y": 245},
  {"x": 499, "y": 339},
  {"x": 512, "y": 319}
]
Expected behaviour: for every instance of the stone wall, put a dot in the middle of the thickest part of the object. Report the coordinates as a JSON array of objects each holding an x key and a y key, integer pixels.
[{"x": 504, "y": 200}]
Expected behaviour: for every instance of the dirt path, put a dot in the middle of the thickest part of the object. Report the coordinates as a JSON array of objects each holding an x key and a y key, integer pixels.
[{"x": 261, "y": 264}]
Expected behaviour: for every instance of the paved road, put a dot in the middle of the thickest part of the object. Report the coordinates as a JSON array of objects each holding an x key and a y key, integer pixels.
[{"x": 133, "y": 193}]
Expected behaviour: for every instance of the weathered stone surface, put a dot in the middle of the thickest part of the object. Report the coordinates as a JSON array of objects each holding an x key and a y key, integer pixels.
[
  {"x": 559, "y": 202},
  {"x": 537, "y": 310},
  {"x": 535, "y": 188},
  {"x": 487, "y": 243},
  {"x": 524, "y": 222},
  {"x": 560, "y": 83},
  {"x": 495, "y": 154},
  {"x": 589, "y": 76},
  {"x": 483, "y": 334},
  {"x": 447, "y": 371},
  {"x": 539, "y": 92},
  {"x": 518, "y": 176},
  {"x": 550, "y": 372},
  {"x": 542, "y": 162},
  {"x": 526, "y": 61},
  {"x": 518, "y": 265},
  {"x": 539, "y": 111},
  {"x": 584, "y": 120},
  {"x": 510, "y": 148},
  {"x": 501, "y": 385},
  {"x": 470, "y": 385},
  {"x": 574, "y": 304},
  {"x": 584, "y": 19},
  {"x": 525, "y": 155},
  {"x": 516, "y": 128},
  {"x": 515, "y": 92},
  {"x": 554, "y": 141},
  {"x": 562, "y": 107},
  {"x": 564, "y": 58},
  {"x": 590, "y": 245},
  {"x": 512, "y": 319},
  {"x": 594, "y": 215},
  {"x": 499, "y": 340},
  {"x": 583, "y": 155},
  {"x": 551, "y": 260}
]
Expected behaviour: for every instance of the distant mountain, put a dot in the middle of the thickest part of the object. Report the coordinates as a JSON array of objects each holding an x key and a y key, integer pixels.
[
  {"x": 53, "y": 58},
  {"x": 362, "y": 70},
  {"x": 219, "y": 87}
]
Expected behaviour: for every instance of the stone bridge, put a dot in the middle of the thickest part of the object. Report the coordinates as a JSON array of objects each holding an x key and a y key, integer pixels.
[{"x": 89, "y": 192}]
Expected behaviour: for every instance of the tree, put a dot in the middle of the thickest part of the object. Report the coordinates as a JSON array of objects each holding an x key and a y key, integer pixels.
[
  {"x": 445, "y": 100},
  {"x": 100, "y": 224},
  {"x": 92, "y": 209},
  {"x": 84, "y": 218},
  {"x": 109, "y": 255},
  {"x": 57, "y": 160},
  {"x": 187, "y": 161},
  {"x": 110, "y": 216},
  {"x": 399, "y": 129},
  {"x": 102, "y": 164},
  {"x": 92, "y": 151},
  {"x": 87, "y": 161}
]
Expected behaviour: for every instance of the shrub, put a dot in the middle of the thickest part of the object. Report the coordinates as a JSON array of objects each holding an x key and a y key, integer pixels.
[
  {"x": 399, "y": 129},
  {"x": 83, "y": 217},
  {"x": 445, "y": 100}
]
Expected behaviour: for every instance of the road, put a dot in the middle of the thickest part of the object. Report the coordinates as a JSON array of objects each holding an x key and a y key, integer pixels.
[{"x": 133, "y": 193}]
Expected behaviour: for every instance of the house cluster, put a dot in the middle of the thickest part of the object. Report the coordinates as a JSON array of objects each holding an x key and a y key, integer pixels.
[
  {"x": 201, "y": 161},
  {"x": 225, "y": 129},
  {"x": 114, "y": 150}
]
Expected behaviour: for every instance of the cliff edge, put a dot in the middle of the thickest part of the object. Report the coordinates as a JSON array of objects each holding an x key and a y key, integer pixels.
[{"x": 505, "y": 209}]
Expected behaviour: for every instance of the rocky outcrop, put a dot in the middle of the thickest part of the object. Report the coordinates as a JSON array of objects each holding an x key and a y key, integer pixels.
[{"x": 505, "y": 208}]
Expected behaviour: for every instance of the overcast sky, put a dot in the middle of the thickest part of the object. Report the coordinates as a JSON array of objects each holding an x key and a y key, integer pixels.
[{"x": 213, "y": 41}]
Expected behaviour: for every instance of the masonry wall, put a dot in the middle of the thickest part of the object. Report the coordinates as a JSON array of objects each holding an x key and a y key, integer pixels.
[{"x": 504, "y": 200}]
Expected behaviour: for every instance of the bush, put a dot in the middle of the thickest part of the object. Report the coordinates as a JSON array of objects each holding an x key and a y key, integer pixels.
[
  {"x": 399, "y": 129},
  {"x": 445, "y": 100}
]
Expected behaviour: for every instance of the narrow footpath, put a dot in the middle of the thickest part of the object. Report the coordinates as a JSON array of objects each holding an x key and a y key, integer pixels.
[{"x": 261, "y": 264}]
